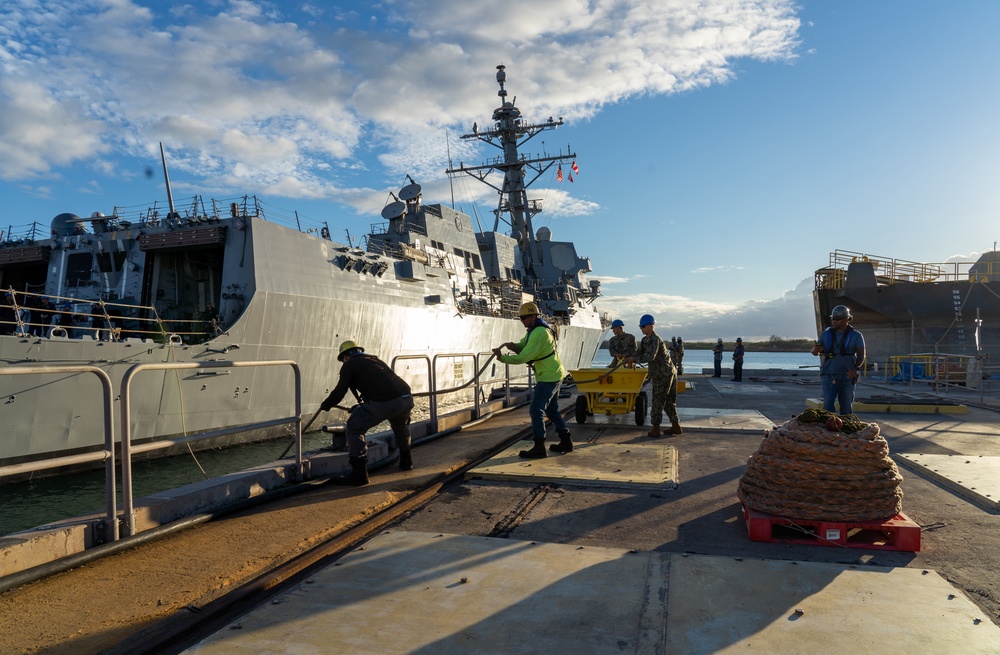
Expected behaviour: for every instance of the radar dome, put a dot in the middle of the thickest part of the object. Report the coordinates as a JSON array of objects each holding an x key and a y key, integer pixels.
[
  {"x": 66, "y": 225},
  {"x": 543, "y": 234}
]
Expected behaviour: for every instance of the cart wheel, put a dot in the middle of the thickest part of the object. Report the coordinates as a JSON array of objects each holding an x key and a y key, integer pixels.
[
  {"x": 640, "y": 408},
  {"x": 581, "y": 409}
]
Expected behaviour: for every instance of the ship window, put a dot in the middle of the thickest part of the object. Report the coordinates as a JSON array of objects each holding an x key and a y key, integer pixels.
[
  {"x": 458, "y": 251},
  {"x": 110, "y": 262},
  {"x": 476, "y": 262},
  {"x": 78, "y": 269}
]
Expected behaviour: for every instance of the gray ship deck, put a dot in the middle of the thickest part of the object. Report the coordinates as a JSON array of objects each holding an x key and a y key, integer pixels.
[{"x": 568, "y": 554}]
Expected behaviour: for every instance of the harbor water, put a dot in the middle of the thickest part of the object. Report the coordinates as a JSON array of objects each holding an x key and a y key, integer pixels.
[{"x": 695, "y": 360}]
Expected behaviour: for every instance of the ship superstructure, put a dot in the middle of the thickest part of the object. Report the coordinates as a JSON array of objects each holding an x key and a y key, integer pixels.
[
  {"x": 237, "y": 280},
  {"x": 905, "y": 307}
]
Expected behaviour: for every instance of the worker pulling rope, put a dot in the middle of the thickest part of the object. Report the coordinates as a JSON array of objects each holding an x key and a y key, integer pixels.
[{"x": 808, "y": 468}]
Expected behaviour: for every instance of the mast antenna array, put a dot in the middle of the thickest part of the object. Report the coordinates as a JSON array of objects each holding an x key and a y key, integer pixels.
[{"x": 508, "y": 133}]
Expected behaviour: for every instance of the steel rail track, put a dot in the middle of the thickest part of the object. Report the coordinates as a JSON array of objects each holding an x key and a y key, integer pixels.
[{"x": 184, "y": 629}]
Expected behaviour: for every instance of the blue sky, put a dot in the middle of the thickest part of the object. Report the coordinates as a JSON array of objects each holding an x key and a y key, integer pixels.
[{"x": 725, "y": 147}]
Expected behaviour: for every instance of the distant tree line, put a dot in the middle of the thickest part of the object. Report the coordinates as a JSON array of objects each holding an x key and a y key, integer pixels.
[{"x": 773, "y": 343}]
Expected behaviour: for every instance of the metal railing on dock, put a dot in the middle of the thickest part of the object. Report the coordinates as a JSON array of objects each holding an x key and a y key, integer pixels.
[
  {"x": 942, "y": 371},
  {"x": 128, "y": 509},
  {"x": 119, "y": 522},
  {"x": 107, "y": 455}
]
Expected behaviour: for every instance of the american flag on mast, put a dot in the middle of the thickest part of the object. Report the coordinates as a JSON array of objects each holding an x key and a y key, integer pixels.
[{"x": 559, "y": 174}]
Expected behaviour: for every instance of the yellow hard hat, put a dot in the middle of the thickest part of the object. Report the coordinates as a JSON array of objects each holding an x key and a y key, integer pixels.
[
  {"x": 346, "y": 347},
  {"x": 528, "y": 309}
]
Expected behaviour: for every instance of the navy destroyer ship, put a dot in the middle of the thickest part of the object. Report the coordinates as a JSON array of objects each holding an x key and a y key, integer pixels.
[
  {"x": 237, "y": 280},
  {"x": 904, "y": 307}
]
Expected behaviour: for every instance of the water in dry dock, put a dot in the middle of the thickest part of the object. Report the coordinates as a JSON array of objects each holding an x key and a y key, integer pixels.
[{"x": 37, "y": 502}]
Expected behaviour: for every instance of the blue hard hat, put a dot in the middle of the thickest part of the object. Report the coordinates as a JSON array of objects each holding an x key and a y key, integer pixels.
[
  {"x": 617, "y": 323},
  {"x": 647, "y": 319}
]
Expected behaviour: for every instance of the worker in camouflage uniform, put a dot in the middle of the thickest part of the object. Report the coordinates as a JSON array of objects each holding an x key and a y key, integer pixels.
[
  {"x": 674, "y": 354},
  {"x": 679, "y": 361},
  {"x": 621, "y": 345},
  {"x": 653, "y": 351}
]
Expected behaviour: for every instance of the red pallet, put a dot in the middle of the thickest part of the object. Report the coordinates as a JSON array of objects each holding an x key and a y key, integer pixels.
[{"x": 897, "y": 533}]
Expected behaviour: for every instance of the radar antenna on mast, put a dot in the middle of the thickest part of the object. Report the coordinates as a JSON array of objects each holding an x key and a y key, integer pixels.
[{"x": 508, "y": 133}]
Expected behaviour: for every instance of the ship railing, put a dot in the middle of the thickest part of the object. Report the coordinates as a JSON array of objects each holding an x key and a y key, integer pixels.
[
  {"x": 34, "y": 314},
  {"x": 128, "y": 449},
  {"x": 23, "y": 233},
  {"x": 188, "y": 210},
  {"x": 893, "y": 271},
  {"x": 408, "y": 224},
  {"x": 108, "y": 530}
]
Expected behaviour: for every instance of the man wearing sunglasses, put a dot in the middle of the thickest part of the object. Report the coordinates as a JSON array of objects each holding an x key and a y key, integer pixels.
[{"x": 843, "y": 351}]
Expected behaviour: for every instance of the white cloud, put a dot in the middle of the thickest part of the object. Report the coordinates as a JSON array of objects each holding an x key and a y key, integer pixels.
[
  {"x": 609, "y": 279},
  {"x": 39, "y": 131},
  {"x": 788, "y": 316},
  {"x": 717, "y": 269},
  {"x": 246, "y": 96}
]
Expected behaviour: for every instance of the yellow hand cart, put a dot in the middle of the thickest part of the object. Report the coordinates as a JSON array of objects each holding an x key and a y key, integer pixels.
[{"x": 610, "y": 391}]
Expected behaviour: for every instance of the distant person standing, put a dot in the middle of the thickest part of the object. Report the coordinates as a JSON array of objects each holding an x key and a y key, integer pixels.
[
  {"x": 674, "y": 355},
  {"x": 622, "y": 345},
  {"x": 680, "y": 356},
  {"x": 843, "y": 351},
  {"x": 738, "y": 353},
  {"x": 717, "y": 353},
  {"x": 653, "y": 351}
]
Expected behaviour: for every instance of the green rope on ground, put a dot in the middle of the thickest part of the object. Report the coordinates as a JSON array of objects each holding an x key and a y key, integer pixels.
[{"x": 852, "y": 423}]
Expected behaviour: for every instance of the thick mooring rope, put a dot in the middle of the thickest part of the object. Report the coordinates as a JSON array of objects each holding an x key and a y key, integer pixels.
[{"x": 805, "y": 470}]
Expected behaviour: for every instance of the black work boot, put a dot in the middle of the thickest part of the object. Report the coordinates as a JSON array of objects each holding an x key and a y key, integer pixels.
[
  {"x": 537, "y": 451},
  {"x": 358, "y": 475},
  {"x": 565, "y": 444},
  {"x": 405, "y": 460}
]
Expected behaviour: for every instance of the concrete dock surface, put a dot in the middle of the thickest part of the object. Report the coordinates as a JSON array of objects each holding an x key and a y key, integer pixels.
[{"x": 628, "y": 544}]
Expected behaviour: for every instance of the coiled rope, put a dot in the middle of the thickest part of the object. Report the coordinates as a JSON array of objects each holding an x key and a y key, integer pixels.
[{"x": 805, "y": 470}]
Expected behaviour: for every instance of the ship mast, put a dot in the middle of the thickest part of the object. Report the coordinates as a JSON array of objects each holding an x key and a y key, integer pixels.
[{"x": 509, "y": 133}]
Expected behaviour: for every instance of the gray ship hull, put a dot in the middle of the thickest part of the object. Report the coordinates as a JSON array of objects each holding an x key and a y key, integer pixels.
[
  {"x": 292, "y": 303},
  {"x": 907, "y": 308}
]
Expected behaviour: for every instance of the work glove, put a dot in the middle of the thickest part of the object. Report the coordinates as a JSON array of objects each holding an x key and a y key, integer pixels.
[{"x": 326, "y": 405}]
